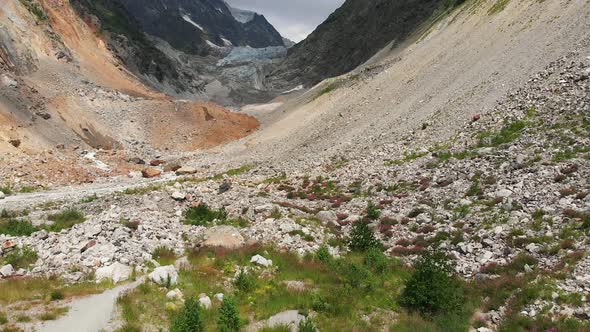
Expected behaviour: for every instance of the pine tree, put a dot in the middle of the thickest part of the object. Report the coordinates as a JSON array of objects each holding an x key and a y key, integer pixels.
[{"x": 229, "y": 317}]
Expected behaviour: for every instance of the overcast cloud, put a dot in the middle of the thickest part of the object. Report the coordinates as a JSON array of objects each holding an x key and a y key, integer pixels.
[{"x": 294, "y": 19}]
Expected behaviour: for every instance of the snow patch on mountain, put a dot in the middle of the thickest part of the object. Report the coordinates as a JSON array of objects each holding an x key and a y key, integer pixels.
[{"x": 189, "y": 20}]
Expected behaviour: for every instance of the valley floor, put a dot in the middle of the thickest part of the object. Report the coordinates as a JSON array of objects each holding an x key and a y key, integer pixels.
[{"x": 505, "y": 198}]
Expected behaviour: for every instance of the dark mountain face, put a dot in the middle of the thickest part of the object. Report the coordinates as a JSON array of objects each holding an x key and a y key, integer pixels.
[
  {"x": 198, "y": 26},
  {"x": 128, "y": 43},
  {"x": 351, "y": 35}
]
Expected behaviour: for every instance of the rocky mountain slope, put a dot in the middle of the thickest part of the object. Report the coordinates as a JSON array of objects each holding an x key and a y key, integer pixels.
[
  {"x": 353, "y": 34},
  {"x": 199, "y": 27},
  {"x": 64, "y": 92},
  {"x": 175, "y": 47}
]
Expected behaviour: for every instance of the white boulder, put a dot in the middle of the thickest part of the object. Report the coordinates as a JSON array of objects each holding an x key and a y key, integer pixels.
[
  {"x": 205, "y": 301},
  {"x": 116, "y": 272},
  {"x": 261, "y": 261},
  {"x": 6, "y": 271},
  {"x": 174, "y": 294},
  {"x": 165, "y": 275}
]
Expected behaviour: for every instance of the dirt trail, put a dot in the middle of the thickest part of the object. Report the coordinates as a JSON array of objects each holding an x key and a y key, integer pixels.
[
  {"x": 78, "y": 192},
  {"x": 89, "y": 314}
]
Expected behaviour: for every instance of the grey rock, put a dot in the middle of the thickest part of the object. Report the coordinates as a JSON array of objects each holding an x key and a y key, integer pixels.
[
  {"x": 178, "y": 196},
  {"x": 257, "y": 259},
  {"x": 116, "y": 272},
  {"x": 164, "y": 275},
  {"x": 224, "y": 187},
  {"x": 6, "y": 271},
  {"x": 205, "y": 301}
]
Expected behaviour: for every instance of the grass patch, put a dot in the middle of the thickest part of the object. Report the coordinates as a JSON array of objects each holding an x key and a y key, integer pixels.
[
  {"x": 65, "y": 220},
  {"x": 233, "y": 172},
  {"x": 164, "y": 255},
  {"x": 203, "y": 215},
  {"x": 35, "y": 9},
  {"x": 141, "y": 190},
  {"x": 21, "y": 258},
  {"x": 498, "y": 6},
  {"x": 6, "y": 190},
  {"x": 17, "y": 227},
  {"x": 53, "y": 313},
  {"x": 407, "y": 158},
  {"x": 31, "y": 289},
  {"x": 328, "y": 89}
]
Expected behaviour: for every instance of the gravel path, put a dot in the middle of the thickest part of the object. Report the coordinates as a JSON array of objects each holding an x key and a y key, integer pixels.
[
  {"x": 78, "y": 192},
  {"x": 89, "y": 314}
]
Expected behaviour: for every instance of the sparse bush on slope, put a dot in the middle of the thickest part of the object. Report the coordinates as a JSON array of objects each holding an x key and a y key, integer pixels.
[
  {"x": 432, "y": 289},
  {"x": 189, "y": 318}
]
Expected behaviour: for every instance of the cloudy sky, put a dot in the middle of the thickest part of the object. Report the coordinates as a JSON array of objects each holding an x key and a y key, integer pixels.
[{"x": 294, "y": 19}]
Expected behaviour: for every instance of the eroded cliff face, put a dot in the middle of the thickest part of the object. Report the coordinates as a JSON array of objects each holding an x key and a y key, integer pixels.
[{"x": 63, "y": 90}]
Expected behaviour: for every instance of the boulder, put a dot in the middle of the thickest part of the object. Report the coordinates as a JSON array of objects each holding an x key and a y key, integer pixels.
[
  {"x": 205, "y": 301},
  {"x": 136, "y": 160},
  {"x": 264, "y": 208},
  {"x": 186, "y": 171},
  {"x": 261, "y": 261},
  {"x": 43, "y": 115},
  {"x": 116, "y": 272},
  {"x": 15, "y": 142},
  {"x": 504, "y": 193},
  {"x": 290, "y": 318},
  {"x": 2, "y": 195},
  {"x": 8, "y": 81},
  {"x": 178, "y": 196},
  {"x": 223, "y": 237},
  {"x": 171, "y": 168},
  {"x": 6, "y": 271},
  {"x": 219, "y": 297},
  {"x": 224, "y": 187},
  {"x": 327, "y": 216},
  {"x": 295, "y": 285},
  {"x": 165, "y": 276},
  {"x": 151, "y": 173},
  {"x": 157, "y": 162},
  {"x": 174, "y": 294}
]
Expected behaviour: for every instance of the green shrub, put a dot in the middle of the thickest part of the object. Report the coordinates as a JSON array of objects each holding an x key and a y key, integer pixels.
[
  {"x": 245, "y": 282},
  {"x": 189, "y": 318},
  {"x": 16, "y": 227},
  {"x": 362, "y": 238},
  {"x": 56, "y": 295},
  {"x": 21, "y": 258},
  {"x": 229, "y": 317},
  {"x": 65, "y": 220},
  {"x": 6, "y": 190},
  {"x": 3, "y": 319},
  {"x": 323, "y": 255},
  {"x": 202, "y": 215},
  {"x": 431, "y": 289},
  {"x": 376, "y": 260},
  {"x": 372, "y": 211},
  {"x": 307, "y": 325},
  {"x": 357, "y": 276},
  {"x": 320, "y": 304}
]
